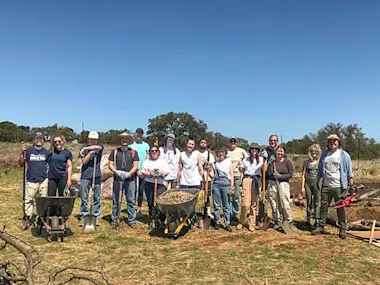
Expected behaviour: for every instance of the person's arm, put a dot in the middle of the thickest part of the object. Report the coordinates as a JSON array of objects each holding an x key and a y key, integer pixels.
[
  {"x": 350, "y": 174},
  {"x": 134, "y": 167},
  {"x": 144, "y": 169},
  {"x": 289, "y": 165},
  {"x": 69, "y": 172},
  {"x": 179, "y": 169},
  {"x": 111, "y": 163},
  {"x": 200, "y": 165},
  {"x": 21, "y": 160},
  {"x": 303, "y": 177},
  {"x": 232, "y": 176}
]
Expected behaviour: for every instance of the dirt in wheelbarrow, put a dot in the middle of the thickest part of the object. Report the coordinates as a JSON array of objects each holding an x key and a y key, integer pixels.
[{"x": 174, "y": 197}]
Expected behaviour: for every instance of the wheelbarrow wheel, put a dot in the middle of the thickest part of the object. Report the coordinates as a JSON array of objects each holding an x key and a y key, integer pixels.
[{"x": 173, "y": 225}]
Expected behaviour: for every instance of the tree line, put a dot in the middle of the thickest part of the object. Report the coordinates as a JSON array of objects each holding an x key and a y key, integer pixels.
[{"x": 183, "y": 125}]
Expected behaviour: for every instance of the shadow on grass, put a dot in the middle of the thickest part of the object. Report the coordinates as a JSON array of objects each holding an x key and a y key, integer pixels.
[{"x": 49, "y": 237}]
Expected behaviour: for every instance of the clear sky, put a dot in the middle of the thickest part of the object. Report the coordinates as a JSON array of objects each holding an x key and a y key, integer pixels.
[{"x": 246, "y": 68}]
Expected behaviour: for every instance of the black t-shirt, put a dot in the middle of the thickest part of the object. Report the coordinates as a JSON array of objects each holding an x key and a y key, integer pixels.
[
  {"x": 88, "y": 168},
  {"x": 124, "y": 160},
  {"x": 58, "y": 163},
  {"x": 37, "y": 165}
]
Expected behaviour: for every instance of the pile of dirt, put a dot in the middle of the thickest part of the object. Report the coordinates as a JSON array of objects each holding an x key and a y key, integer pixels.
[{"x": 174, "y": 197}]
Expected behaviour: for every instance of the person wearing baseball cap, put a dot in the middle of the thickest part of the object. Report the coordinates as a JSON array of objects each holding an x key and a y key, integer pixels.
[
  {"x": 87, "y": 154},
  {"x": 35, "y": 159},
  {"x": 142, "y": 148},
  {"x": 335, "y": 170}
]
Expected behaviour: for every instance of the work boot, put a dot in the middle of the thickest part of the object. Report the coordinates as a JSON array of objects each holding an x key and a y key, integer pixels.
[
  {"x": 228, "y": 228},
  {"x": 319, "y": 231},
  {"x": 132, "y": 225},
  {"x": 316, "y": 223},
  {"x": 342, "y": 233},
  {"x": 217, "y": 226},
  {"x": 209, "y": 213},
  {"x": 251, "y": 228},
  {"x": 239, "y": 226}
]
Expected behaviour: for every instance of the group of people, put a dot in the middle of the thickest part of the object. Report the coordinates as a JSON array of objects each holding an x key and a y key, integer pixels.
[{"x": 238, "y": 181}]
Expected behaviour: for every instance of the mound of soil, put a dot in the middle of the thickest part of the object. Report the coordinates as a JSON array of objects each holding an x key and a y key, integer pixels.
[{"x": 174, "y": 197}]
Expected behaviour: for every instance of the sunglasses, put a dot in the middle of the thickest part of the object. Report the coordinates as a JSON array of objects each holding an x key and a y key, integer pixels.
[
  {"x": 232, "y": 141},
  {"x": 272, "y": 140},
  {"x": 154, "y": 151},
  {"x": 57, "y": 141}
]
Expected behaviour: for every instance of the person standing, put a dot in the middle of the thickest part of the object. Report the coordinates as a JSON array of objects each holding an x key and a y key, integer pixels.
[
  {"x": 208, "y": 160},
  {"x": 222, "y": 186},
  {"x": 236, "y": 156},
  {"x": 335, "y": 170},
  {"x": 154, "y": 168},
  {"x": 34, "y": 158},
  {"x": 251, "y": 169},
  {"x": 60, "y": 166},
  {"x": 142, "y": 149},
  {"x": 88, "y": 154},
  {"x": 170, "y": 154},
  {"x": 123, "y": 162},
  {"x": 190, "y": 169},
  {"x": 279, "y": 174},
  {"x": 310, "y": 185}
]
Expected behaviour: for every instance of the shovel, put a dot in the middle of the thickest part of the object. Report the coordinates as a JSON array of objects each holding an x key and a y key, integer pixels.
[
  {"x": 206, "y": 218},
  {"x": 264, "y": 225},
  {"x": 119, "y": 216},
  {"x": 284, "y": 224},
  {"x": 153, "y": 224},
  {"x": 90, "y": 219}
]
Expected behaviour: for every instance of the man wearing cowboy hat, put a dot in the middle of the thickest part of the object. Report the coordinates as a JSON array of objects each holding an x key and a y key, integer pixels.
[
  {"x": 335, "y": 170},
  {"x": 87, "y": 154},
  {"x": 123, "y": 162}
]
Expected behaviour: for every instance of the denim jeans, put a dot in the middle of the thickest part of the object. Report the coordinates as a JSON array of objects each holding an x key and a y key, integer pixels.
[
  {"x": 129, "y": 188},
  {"x": 235, "y": 201},
  {"x": 220, "y": 194},
  {"x": 85, "y": 188}
]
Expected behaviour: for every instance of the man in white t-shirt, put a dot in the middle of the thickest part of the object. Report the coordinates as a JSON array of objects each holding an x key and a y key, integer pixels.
[
  {"x": 207, "y": 161},
  {"x": 236, "y": 156}
]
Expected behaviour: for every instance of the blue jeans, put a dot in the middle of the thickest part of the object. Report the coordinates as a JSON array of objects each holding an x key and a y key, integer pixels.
[
  {"x": 220, "y": 193},
  {"x": 85, "y": 188},
  {"x": 129, "y": 188},
  {"x": 235, "y": 201}
]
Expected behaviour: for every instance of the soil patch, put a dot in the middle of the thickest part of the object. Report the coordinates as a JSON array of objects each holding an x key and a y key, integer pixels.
[{"x": 174, "y": 197}]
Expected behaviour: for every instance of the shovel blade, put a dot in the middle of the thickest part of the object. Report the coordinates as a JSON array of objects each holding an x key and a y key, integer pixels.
[
  {"x": 287, "y": 228},
  {"x": 89, "y": 224}
]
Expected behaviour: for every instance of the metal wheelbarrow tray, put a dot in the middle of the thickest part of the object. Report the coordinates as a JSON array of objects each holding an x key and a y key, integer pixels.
[
  {"x": 53, "y": 212},
  {"x": 177, "y": 215}
]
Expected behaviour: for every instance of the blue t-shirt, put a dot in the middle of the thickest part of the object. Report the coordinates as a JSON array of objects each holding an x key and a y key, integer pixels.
[
  {"x": 88, "y": 168},
  {"x": 37, "y": 165},
  {"x": 58, "y": 163},
  {"x": 142, "y": 149}
]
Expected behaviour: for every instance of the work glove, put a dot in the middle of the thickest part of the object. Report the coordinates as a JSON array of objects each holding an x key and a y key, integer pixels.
[
  {"x": 156, "y": 173},
  {"x": 272, "y": 159},
  {"x": 122, "y": 175},
  {"x": 277, "y": 175},
  {"x": 264, "y": 154},
  {"x": 139, "y": 174}
]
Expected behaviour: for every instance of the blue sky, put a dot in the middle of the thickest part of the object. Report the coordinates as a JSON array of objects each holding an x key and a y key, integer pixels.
[{"x": 246, "y": 68}]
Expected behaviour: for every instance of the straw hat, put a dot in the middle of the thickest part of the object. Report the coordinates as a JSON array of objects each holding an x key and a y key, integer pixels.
[{"x": 128, "y": 136}]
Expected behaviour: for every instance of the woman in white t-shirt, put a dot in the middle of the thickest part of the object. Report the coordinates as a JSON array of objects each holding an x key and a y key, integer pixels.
[
  {"x": 250, "y": 169},
  {"x": 171, "y": 154},
  {"x": 223, "y": 184},
  {"x": 154, "y": 168}
]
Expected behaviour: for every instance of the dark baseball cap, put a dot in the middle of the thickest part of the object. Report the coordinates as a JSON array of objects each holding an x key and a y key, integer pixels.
[{"x": 139, "y": 130}]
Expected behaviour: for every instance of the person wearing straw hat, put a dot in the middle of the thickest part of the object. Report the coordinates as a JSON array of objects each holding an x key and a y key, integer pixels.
[
  {"x": 87, "y": 154},
  {"x": 335, "y": 170},
  {"x": 35, "y": 158},
  {"x": 123, "y": 162},
  {"x": 170, "y": 154},
  {"x": 251, "y": 168}
]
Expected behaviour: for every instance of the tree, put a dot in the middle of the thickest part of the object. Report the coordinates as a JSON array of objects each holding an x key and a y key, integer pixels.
[{"x": 182, "y": 125}]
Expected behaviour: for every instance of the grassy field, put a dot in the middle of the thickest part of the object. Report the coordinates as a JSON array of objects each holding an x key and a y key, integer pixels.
[{"x": 210, "y": 257}]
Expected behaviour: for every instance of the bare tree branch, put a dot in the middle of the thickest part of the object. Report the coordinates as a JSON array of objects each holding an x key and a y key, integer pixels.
[{"x": 52, "y": 278}]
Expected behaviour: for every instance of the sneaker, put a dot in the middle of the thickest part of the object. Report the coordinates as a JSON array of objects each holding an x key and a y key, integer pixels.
[
  {"x": 228, "y": 228},
  {"x": 211, "y": 216},
  {"x": 251, "y": 228},
  {"x": 342, "y": 234},
  {"x": 217, "y": 226},
  {"x": 239, "y": 226},
  {"x": 98, "y": 221},
  {"x": 132, "y": 225}
]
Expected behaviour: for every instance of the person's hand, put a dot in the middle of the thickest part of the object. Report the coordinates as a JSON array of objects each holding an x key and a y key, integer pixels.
[
  {"x": 272, "y": 159},
  {"x": 303, "y": 191},
  {"x": 208, "y": 166},
  {"x": 23, "y": 148},
  {"x": 241, "y": 191},
  {"x": 68, "y": 184},
  {"x": 140, "y": 174},
  {"x": 277, "y": 175},
  {"x": 120, "y": 174},
  {"x": 232, "y": 191},
  {"x": 264, "y": 154},
  {"x": 156, "y": 172},
  {"x": 127, "y": 174}
]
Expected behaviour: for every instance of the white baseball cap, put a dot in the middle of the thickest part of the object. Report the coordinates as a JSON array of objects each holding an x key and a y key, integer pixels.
[{"x": 93, "y": 135}]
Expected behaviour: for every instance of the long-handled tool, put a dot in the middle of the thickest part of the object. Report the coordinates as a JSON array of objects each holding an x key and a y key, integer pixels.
[
  {"x": 206, "y": 217},
  {"x": 90, "y": 219},
  {"x": 154, "y": 222},
  {"x": 119, "y": 218},
  {"x": 284, "y": 224},
  {"x": 264, "y": 223},
  {"x": 353, "y": 198},
  {"x": 24, "y": 186}
]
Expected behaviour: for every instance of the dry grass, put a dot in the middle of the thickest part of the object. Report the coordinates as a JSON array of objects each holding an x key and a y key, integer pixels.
[{"x": 210, "y": 257}]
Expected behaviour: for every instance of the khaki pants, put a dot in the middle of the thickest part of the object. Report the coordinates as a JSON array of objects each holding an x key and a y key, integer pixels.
[
  {"x": 278, "y": 197},
  {"x": 248, "y": 202},
  {"x": 34, "y": 189}
]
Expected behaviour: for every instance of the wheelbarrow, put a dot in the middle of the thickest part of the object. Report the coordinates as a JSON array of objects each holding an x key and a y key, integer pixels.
[
  {"x": 178, "y": 215},
  {"x": 53, "y": 213}
]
